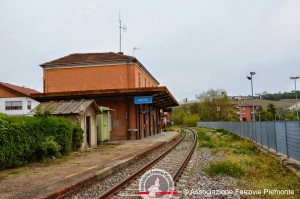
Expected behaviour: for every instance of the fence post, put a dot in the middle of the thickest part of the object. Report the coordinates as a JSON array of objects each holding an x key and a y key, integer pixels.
[
  {"x": 267, "y": 134},
  {"x": 286, "y": 140},
  {"x": 275, "y": 136},
  {"x": 261, "y": 142}
]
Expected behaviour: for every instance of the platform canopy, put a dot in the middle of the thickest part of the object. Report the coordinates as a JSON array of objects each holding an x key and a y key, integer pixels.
[{"x": 161, "y": 96}]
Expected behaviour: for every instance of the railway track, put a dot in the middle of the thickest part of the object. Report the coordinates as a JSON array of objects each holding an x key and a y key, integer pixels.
[{"x": 172, "y": 159}]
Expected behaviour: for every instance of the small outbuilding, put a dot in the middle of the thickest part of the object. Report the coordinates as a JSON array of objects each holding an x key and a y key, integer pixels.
[{"x": 83, "y": 112}]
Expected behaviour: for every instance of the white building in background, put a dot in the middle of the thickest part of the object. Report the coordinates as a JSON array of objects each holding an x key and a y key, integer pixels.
[{"x": 16, "y": 100}]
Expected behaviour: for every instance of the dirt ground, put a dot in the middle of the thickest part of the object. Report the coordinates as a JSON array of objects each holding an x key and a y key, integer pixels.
[{"x": 41, "y": 179}]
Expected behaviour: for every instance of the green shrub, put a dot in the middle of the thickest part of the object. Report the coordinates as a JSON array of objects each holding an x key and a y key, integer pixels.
[
  {"x": 49, "y": 148},
  {"x": 225, "y": 168},
  {"x": 30, "y": 139},
  {"x": 77, "y": 137}
]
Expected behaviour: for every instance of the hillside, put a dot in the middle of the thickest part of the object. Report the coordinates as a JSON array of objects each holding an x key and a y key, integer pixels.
[{"x": 285, "y": 103}]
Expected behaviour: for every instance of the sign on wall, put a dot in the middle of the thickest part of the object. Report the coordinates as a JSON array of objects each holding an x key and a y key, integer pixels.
[{"x": 143, "y": 100}]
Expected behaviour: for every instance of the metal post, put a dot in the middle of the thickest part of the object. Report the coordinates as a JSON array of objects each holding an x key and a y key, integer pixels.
[
  {"x": 286, "y": 140},
  {"x": 261, "y": 142},
  {"x": 253, "y": 116},
  {"x": 275, "y": 136},
  {"x": 295, "y": 78},
  {"x": 296, "y": 98},
  {"x": 267, "y": 134}
]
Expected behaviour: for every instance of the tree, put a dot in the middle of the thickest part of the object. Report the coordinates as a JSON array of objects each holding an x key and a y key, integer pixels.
[
  {"x": 271, "y": 108},
  {"x": 214, "y": 105}
]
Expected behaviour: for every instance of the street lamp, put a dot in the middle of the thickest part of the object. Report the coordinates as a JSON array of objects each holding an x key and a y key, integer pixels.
[
  {"x": 295, "y": 78},
  {"x": 250, "y": 78}
]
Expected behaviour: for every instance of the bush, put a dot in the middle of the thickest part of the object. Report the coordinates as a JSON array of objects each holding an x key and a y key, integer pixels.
[
  {"x": 191, "y": 120},
  {"x": 49, "y": 148},
  {"x": 77, "y": 137},
  {"x": 31, "y": 139}
]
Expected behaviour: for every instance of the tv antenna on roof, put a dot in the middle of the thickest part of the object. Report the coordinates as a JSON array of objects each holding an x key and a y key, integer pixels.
[
  {"x": 124, "y": 28},
  {"x": 134, "y": 48}
]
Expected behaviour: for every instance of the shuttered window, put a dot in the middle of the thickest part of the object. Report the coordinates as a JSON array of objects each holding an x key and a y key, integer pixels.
[{"x": 13, "y": 105}]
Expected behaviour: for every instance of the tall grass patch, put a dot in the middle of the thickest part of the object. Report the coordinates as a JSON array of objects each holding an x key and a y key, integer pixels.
[{"x": 243, "y": 160}]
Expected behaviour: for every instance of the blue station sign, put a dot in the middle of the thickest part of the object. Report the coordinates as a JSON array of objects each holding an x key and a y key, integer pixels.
[{"x": 143, "y": 100}]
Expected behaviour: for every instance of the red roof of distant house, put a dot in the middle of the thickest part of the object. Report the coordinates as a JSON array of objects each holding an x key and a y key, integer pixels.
[
  {"x": 78, "y": 58},
  {"x": 244, "y": 105},
  {"x": 19, "y": 89}
]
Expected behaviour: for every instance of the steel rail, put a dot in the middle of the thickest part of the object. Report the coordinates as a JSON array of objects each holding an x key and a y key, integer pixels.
[
  {"x": 111, "y": 192},
  {"x": 186, "y": 159}
]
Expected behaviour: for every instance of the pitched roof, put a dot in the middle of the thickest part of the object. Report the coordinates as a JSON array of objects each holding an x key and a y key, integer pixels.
[
  {"x": 19, "y": 89},
  {"x": 77, "y": 58},
  {"x": 66, "y": 107}
]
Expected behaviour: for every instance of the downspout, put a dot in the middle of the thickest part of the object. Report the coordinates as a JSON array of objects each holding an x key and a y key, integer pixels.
[{"x": 128, "y": 74}]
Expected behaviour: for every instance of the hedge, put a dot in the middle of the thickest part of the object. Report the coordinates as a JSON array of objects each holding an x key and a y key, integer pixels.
[{"x": 30, "y": 139}]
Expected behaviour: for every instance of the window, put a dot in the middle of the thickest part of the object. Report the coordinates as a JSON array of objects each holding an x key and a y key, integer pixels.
[
  {"x": 243, "y": 108},
  {"x": 29, "y": 105},
  {"x": 148, "y": 84},
  {"x": 145, "y": 82},
  {"x": 13, "y": 105},
  {"x": 139, "y": 79}
]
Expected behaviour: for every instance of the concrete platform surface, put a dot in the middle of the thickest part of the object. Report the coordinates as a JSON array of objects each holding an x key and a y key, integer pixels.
[{"x": 39, "y": 180}]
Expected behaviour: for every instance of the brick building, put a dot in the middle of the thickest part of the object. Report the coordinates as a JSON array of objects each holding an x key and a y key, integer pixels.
[
  {"x": 244, "y": 112},
  {"x": 113, "y": 80}
]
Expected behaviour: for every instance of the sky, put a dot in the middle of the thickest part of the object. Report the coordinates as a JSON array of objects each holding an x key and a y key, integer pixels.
[{"x": 189, "y": 46}]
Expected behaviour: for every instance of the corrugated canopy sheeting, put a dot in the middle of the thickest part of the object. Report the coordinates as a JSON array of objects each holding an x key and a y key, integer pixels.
[{"x": 66, "y": 107}]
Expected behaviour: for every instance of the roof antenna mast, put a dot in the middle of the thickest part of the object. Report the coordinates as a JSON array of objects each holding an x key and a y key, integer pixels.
[{"x": 121, "y": 28}]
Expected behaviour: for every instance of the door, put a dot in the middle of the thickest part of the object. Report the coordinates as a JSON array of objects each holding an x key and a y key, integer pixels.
[{"x": 88, "y": 130}]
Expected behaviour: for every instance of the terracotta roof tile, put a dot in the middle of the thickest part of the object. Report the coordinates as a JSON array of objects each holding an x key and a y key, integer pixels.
[
  {"x": 19, "y": 89},
  {"x": 90, "y": 58}
]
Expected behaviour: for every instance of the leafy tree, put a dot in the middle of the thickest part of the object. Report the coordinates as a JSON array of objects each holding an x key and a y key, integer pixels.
[
  {"x": 214, "y": 105},
  {"x": 271, "y": 108}
]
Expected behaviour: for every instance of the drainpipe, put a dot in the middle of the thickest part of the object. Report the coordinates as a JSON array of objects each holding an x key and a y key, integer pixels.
[{"x": 128, "y": 74}]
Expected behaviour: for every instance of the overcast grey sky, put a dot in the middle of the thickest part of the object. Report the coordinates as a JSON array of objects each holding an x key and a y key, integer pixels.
[{"x": 189, "y": 46}]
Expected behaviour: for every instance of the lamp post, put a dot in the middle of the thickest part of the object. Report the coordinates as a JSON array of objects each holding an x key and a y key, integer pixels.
[
  {"x": 250, "y": 78},
  {"x": 295, "y": 78}
]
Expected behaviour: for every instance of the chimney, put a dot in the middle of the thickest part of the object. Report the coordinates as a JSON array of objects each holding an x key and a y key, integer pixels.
[{"x": 120, "y": 53}]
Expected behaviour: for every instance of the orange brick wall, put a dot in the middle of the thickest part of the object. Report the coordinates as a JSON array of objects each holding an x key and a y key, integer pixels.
[
  {"x": 245, "y": 113},
  {"x": 143, "y": 77},
  {"x": 94, "y": 78}
]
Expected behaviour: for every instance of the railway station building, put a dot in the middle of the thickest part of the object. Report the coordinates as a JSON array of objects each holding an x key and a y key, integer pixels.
[{"x": 136, "y": 103}]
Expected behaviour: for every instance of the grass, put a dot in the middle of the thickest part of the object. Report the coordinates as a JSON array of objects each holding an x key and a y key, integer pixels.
[
  {"x": 225, "y": 168},
  {"x": 253, "y": 169}
]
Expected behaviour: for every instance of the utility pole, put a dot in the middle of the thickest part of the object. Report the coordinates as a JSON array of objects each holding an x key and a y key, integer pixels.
[
  {"x": 295, "y": 78},
  {"x": 250, "y": 78}
]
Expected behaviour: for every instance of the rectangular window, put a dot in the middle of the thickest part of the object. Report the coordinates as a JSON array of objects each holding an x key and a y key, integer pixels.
[
  {"x": 148, "y": 84},
  {"x": 145, "y": 82},
  {"x": 13, "y": 105},
  {"x": 29, "y": 105},
  {"x": 139, "y": 80}
]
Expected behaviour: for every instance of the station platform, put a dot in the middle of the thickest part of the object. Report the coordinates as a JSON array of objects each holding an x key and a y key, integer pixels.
[{"x": 49, "y": 179}]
